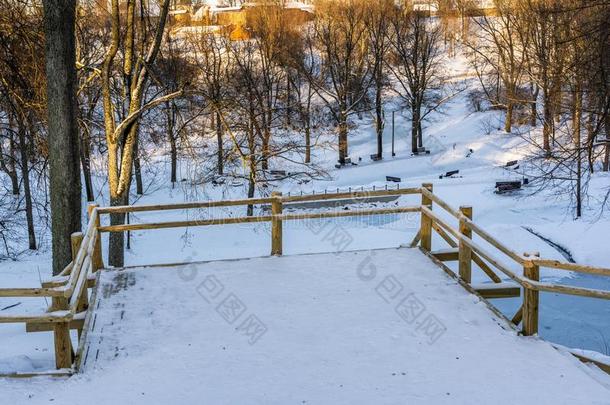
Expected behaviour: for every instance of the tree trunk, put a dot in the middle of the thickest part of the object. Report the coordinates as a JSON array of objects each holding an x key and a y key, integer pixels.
[
  {"x": 288, "y": 100},
  {"x": 220, "y": 152},
  {"x": 534, "y": 107},
  {"x": 548, "y": 124},
  {"x": 414, "y": 128},
  {"x": 64, "y": 162},
  {"x": 251, "y": 189},
  {"x": 307, "y": 140},
  {"x": 343, "y": 150},
  {"x": 116, "y": 240},
  {"x": 379, "y": 112},
  {"x": 607, "y": 147},
  {"x": 25, "y": 175},
  {"x": 577, "y": 143},
  {"x": 173, "y": 151},
  {"x": 7, "y": 164},
  {"x": 508, "y": 123},
  {"x": 85, "y": 154},
  {"x": 137, "y": 167}
]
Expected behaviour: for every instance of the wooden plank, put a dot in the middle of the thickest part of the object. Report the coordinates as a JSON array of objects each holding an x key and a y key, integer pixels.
[
  {"x": 568, "y": 290},
  {"x": 486, "y": 269},
  {"x": 55, "y": 316},
  {"x": 185, "y": 224},
  {"x": 31, "y": 292},
  {"x": 81, "y": 283},
  {"x": 34, "y": 327},
  {"x": 276, "y": 224},
  {"x": 498, "y": 290},
  {"x": 444, "y": 235},
  {"x": 181, "y": 206},
  {"x": 83, "y": 341},
  {"x": 555, "y": 264},
  {"x": 63, "y": 345},
  {"x": 433, "y": 197},
  {"x": 518, "y": 316},
  {"x": 464, "y": 251},
  {"x": 53, "y": 373},
  {"x": 426, "y": 221},
  {"x": 98, "y": 261},
  {"x": 602, "y": 366},
  {"x": 446, "y": 255},
  {"x": 531, "y": 300},
  {"x": 57, "y": 281},
  {"x": 415, "y": 240},
  {"x": 83, "y": 298}
]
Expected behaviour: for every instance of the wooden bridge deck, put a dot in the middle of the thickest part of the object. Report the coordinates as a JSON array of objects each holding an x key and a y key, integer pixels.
[{"x": 384, "y": 327}]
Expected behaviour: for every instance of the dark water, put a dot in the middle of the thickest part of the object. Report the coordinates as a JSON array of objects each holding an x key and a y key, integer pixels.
[{"x": 576, "y": 322}]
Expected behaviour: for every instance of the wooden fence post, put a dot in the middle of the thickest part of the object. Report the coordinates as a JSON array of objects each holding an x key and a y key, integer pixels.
[
  {"x": 465, "y": 252},
  {"x": 531, "y": 297},
  {"x": 97, "y": 261},
  {"x": 63, "y": 345},
  {"x": 276, "y": 224},
  {"x": 61, "y": 330},
  {"x": 426, "y": 222}
]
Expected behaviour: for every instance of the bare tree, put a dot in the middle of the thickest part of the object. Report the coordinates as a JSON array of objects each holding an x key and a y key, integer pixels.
[
  {"x": 378, "y": 26},
  {"x": 345, "y": 74},
  {"x": 139, "y": 56},
  {"x": 414, "y": 61}
]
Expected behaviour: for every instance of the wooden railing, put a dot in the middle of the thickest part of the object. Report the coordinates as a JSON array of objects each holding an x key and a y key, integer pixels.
[
  {"x": 69, "y": 290},
  {"x": 466, "y": 251}
]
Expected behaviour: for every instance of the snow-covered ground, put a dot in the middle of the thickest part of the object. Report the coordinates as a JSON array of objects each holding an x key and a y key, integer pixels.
[
  {"x": 382, "y": 327},
  {"x": 572, "y": 321}
]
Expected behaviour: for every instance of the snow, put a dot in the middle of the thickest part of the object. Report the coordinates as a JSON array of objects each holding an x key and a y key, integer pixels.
[
  {"x": 330, "y": 332},
  {"x": 571, "y": 321}
]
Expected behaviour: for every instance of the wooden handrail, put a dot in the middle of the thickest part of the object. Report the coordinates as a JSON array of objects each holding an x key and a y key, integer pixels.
[
  {"x": 579, "y": 268},
  {"x": 189, "y": 205},
  {"x": 184, "y": 224}
]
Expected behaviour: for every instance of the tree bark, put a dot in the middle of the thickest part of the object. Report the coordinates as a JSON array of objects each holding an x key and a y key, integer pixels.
[
  {"x": 25, "y": 175},
  {"x": 607, "y": 147},
  {"x": 7, "y": 164},
  {"x": 173, "y": 150},
  {"x": 64, "y": 162},
  {"x": 343, "y": 151},
  {"x": 548, "y": 124},
  {"x": 220, "y": 152},
  {"x": 116, "y": 240},
  {"x": 508, "y": 123},
  {"x": 137, "y": 167},
  {"x": 577, "y": 142},
  {"x": 85, "y": 154},
  {"x": 379, "y": 111},
  {"x": 414, "y": 129}
]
